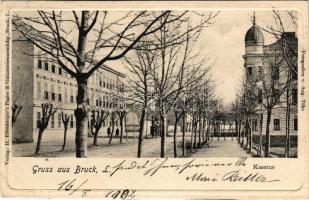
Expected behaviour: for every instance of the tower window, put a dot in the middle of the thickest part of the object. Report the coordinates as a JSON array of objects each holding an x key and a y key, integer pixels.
[
  {"x": 46, "y": 66},
  {"x": 60, "y": 71},
  {"x": 295, "y": 124},
  {"x": 276, "y": 124},
  {"x": 40, "y": 64},
  {"x": 53, "y": 68}
]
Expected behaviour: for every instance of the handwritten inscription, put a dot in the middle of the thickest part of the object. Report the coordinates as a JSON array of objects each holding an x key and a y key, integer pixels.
[
  {"x": 72, "y": 186},
  {"x": 192, "y": 170}
]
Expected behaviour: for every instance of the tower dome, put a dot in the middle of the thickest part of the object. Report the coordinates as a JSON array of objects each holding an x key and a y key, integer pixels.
[{"x": 254, "y": 35}]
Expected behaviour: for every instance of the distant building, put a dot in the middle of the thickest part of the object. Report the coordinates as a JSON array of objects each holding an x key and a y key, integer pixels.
[
  {"x": 37, "y": 80},
  {"x": 257, "y": 58}
]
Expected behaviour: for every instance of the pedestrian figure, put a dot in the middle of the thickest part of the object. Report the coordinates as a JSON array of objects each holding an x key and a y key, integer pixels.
[
  {"x": 117, "y": 133},
  {"x": 108, "y": 131}
]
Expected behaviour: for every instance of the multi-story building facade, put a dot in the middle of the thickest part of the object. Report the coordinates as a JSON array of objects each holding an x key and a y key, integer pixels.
[
  {"x": 36, "y": 80},
  {"x": 259, "y": 58}
]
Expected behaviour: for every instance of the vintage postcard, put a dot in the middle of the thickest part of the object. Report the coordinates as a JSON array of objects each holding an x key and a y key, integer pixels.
[{"x": 137, "y": 100}]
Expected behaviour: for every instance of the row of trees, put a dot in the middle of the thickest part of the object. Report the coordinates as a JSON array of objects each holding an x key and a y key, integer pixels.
[
  {"x": 81, "y": 42},
  {"x": 268, "y": 87},
  {"x": 168, "y": 74}
]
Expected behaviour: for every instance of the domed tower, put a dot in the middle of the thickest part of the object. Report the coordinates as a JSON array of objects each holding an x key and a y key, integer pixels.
[
  {"x": 254, "y": 42},
  {"x": 254, "y": 39}
]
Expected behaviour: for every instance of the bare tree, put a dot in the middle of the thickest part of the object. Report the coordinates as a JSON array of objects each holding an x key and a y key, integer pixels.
[
  {"x": 65, "y": 120},
  {"x": 141, "y": 63},
  {"x": 171, "y": 65},
  {"x": 98, "y": 116},
  {"x": 47, "y": 112},
  {"x": 81, "y": 42}
]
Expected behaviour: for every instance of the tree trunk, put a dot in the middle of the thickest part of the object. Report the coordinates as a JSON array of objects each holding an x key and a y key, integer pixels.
[
  {"x": 64, "y": 137},
  {"x": 218, "y": 132},
  {"x": 203, "y": 131},
  {"x": 163, "y": 132},
  {"x": 261, "y": 136},
  {"x": 267, "y": 143},
  {"x": 250, "y": 135},
  {"x": 242, "y": 136},
  {"x": 192, "y": 132},
  {"x": 287, "y": 130},
  {"x": 95, "y": 136},
  {"x": 239, "y": 130},
  {"x": 121, "y": 129},
  {"x": 38, "y": 144},
  {"x": 224, "y": 132},
  {"x": 184, "y": 135},
  {"x": 174, "y": 137},
  {"x": 195, "y": 134},
  {"x": 112, "y": 132},
  {"x": 199, "y": 133},
  {"x": 81, "y": 116},
  {"x": 125, "y": 125},
  {"x": 140, "y": 135}
]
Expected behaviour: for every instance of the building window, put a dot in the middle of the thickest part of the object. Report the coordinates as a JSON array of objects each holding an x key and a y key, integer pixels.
[
  {"x": 59, "y": 70},
  {"x": 100, "y": 82},
  {"x": 295, "y": 124},
  {"x": 276, "y": 124},
  {"x": 59, "y": 97},
  {"x": 294, "y": 96},
  {"x": 59, "y": 120},
  {"x": 254, "y": 125},
  {"x": 53, "y": 68},
  {"x": 46, "y": 95},
  {"x": 104, "y": 84},
  {"x": 38, "y": 120},
  {"x": 107, "y": 85},
  {"x": 53, "y": 95},
  {"x": 40, "y": 64},
  {"x": 52, "y": 125},
  {"x": 72, "y": 122},
  {"x": 38, "y": 95},
  {"x": 72, "y": 96},
  {"x": 46, "y": 66}
]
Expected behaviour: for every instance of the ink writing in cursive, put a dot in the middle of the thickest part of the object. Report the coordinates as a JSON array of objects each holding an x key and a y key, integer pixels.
[
  {"x": 242, "y": 176},
  {"x": 72, "y": 186}
]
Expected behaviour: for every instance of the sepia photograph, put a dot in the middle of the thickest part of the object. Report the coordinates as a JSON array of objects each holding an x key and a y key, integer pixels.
[
  {"x": 154, "y": 83},
  {"x": 186, "y": 100}
]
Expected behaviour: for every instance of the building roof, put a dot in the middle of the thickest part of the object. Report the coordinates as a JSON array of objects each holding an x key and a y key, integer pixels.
[{"x": 254, "y": 35}]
